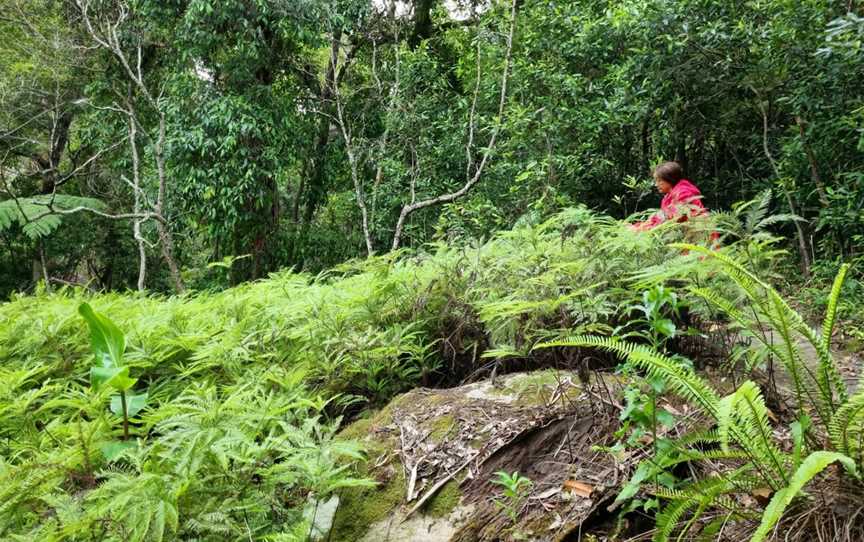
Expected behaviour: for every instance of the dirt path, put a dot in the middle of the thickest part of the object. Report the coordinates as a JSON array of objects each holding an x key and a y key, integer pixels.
[{"x": 848, "y": 363}]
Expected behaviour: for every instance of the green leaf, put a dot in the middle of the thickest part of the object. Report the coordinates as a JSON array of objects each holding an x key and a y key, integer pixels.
[
  {"x": 106, "y": 339},
  {"x": 664, "y": 417},
  {"x": 134, "y": 404},
  {"x": 665, "y": 326},
  {"x": 799, "y": 429},
  {"x": 114, "y": 448},
  {"x": 810, "y": 467},
  {"x": 115, "y": 377}
]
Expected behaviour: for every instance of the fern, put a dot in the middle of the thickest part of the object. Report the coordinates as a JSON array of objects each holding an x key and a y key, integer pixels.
[
  {"x": 847, "y": 428},
  {"x": 713, "y": 491},
  {"x": 745, "y": 410},
  {"x": 810, "y": 467},
  {"x": 827, "y": 366},
  {"x": 682, "y": 380},
  {"x": 146, "y": 504},
  {"x": 744, "y": 415},
  {"x": 668, "y": 518},
  {"x": 820, "y": 391},
  {"x": 34, "y": 216}
]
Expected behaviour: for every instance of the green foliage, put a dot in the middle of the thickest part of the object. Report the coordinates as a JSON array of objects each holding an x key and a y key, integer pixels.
[
  {"x": 35, "y": 216},
  {"x": 820, "y": 388},
  {"x": 810, "y": 467},
  {"x": 742, "y": 418},
  {"x": 254, "y": 165},
  {"x": 515, "y": 489},
  {"x": 235, "y": 437}
]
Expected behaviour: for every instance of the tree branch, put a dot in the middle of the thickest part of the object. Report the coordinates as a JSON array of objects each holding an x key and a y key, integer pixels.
[{"x": 407, "y": 210}]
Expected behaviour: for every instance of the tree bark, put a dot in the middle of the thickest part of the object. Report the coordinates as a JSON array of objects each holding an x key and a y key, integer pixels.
[
  {"x": 136, "y": 189},
  {"x": 422, "y": 22},
  {"x": 166, "y": 239},
  {"x": 352, "y": 158}
]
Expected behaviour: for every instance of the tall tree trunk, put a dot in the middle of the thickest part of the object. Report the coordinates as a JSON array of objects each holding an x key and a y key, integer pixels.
[
  {"x": 166, "y": 239},
  {"x": 811, "y": 159}
]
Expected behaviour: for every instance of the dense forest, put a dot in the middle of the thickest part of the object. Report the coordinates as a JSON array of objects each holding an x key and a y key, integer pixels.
[
  {"x": 142, "y": 142},
  {"x": 296, "y": 270}
]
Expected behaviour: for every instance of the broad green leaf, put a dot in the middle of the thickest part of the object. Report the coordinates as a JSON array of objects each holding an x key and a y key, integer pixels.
[
  {"x": 134, "y": 404},
  {"x": 106, "y": 339},
  {"x": 112, "y": 449},
  {"x": 115, "y": 377}
]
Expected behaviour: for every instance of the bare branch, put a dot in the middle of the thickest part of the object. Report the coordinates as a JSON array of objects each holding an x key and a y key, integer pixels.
[
  {"x": 490, "y": 147},
  {"x": 352, "y": 156}
]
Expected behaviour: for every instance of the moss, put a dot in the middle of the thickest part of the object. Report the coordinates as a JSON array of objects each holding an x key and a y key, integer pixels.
[
  {"x": 441, "y": 426},
  {"x": 360, "y": 508},
  {"x": 372, "y": 419},
  {"x": 534, "y": 388},
  {"x": 358, "y": 429},
  {"x": 444, "y": 501}
]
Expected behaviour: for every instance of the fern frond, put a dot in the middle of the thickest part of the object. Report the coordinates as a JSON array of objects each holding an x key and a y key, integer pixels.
[
  {"x": 700, "y": 495},
  {"x": 847, "y": 428},
  {"x": 683, "y": 381},
  {"x": 33, "y": 216},
  {"x": 830, "y": 320},
  {"x": 821, "y": 389},
  {"x": 810, "y": 467},
  {"x": 669, "y": 518}
]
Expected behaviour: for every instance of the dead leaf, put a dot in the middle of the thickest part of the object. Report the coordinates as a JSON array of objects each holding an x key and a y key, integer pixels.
[
  {"x": 762, "y": 495},
  {"x": 578, "y": 488},
  {"x": 546, "y": 494},
  {"x": 671, "y": 409}
]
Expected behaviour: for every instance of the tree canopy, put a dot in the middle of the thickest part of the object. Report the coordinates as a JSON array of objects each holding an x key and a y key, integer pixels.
[{"x": 275, "y": 134}]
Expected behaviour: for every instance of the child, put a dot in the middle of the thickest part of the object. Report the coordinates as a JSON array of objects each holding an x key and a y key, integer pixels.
[{"x": 681, "y": 198}]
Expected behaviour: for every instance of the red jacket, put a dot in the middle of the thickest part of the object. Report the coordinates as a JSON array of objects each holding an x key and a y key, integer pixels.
[{"x": 680, "y": 203}]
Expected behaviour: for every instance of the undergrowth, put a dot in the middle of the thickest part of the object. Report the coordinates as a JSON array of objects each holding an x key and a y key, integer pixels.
[
  {"x": 218, "y": 418},
  {"x": 740, "y": 454},
  {"x": 238, "y": 394}
]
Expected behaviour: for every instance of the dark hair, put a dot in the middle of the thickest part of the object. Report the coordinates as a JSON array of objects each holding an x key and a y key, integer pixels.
[{"x": 670, "y": 172}]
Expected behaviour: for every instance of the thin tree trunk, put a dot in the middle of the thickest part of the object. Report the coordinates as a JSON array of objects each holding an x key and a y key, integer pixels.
[
  {"x": 811, "y": 159},
  {"x": 407, "y": 210},
  {"x": 166, "y": 239},
  {"x": 802, "y": 237},
  {"x": 43, "y": 261},
  {"x": 136, "y": 189},
  {"x": 352, "y": 160}
]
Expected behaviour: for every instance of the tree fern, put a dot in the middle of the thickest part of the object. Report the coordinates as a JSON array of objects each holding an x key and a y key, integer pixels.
[
  {"x": 33, "y": 214},
  {"x": 810, "y": 467}
]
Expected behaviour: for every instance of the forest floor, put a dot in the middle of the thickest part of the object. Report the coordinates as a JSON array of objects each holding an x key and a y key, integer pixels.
[{"x": 435, "y": 453}]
